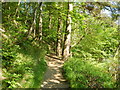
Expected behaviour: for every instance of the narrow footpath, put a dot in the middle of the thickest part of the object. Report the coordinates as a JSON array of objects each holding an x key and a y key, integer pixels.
[{"x": 53, "y": 77}]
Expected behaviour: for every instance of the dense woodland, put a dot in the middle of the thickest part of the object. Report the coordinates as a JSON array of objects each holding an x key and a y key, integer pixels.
[{"x": 80, "y": 33}]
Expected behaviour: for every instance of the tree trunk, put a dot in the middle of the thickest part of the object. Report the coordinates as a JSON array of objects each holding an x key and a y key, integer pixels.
[
  {"x": 16, "y": 13},
  {"x": 59, "y": 49},
  {"x": 50, "y": 21},
  {"x": 67, "y": 38},
  {"x": 34, "y": 23},
  {"x": 32, "y": 28},
  {"x": 40, "y": 22}
]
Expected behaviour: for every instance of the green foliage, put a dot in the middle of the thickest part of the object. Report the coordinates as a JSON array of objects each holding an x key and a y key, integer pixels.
[
  {"x": 94, "y": 44},
  {"x": 84, "y": 74},
  {"x": 23, "y": 57},
  {"x": 28, "y": 65},
  {"x": 99, "y": 41},
  {"x": 93, "y": 63}
]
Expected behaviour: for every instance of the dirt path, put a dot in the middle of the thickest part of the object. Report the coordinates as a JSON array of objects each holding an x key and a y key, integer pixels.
[{"x": 53, "y": 77}]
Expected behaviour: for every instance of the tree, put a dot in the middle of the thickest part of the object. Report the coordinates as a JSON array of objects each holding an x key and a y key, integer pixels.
[
  {"x": 59, "y": 41},
  {"x": 59, "y": 34},
  {"x": 67, "y": 37},
  {"x": 40, "y": 21}
]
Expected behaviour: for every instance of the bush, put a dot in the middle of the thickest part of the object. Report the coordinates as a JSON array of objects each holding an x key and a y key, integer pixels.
[
  {"x": 86, "y": 74},
  {"x": 23, "y": 66}
]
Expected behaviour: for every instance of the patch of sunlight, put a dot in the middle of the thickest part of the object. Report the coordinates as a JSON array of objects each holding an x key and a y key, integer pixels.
[
  {"x": 60, "y": 61},
  {"x": 56, "y": 68},
  {"x": 60, "y": 66},
  {"x": 51, "y": 65},
  {"x": 55, "y": 81},
  {"x": 102, "y": 65},
  {"x": 57, "y": 75},
  {"x": 44, "y": 83}
]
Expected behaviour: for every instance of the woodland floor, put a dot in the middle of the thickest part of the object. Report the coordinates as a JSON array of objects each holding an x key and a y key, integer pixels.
[{"x": 53, "y": 77}]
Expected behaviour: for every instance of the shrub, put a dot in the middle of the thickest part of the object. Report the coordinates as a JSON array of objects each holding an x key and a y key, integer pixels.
[
  {"x": 86, "y": 74},
  {"x": 23, "y": 68}
]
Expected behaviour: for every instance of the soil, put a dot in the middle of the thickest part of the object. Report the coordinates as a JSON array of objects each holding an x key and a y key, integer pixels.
[{"x": 53, "y": 77}]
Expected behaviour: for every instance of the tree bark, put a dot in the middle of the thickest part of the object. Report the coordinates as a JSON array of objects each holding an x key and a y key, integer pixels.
[
  {"x": 32, "y": 28},
  {"x": 67, "y": 38},
  {"x": 59, "y": 36},
  {"x": 50, "y": 21},
  {"x": 40, "y": 22}
]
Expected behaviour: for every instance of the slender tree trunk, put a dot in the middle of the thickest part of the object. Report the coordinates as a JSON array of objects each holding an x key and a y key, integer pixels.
[
  {"x": 16, "y": 13},
  {"x": 34, "y": 23},
  {"x": 59, "y": 36},
  {"x": 26, "y": 10},
  {"x": 67, "y": 38},
  {"x": 50, "y": 26},
  {"x": 40, "y": 22},
  {"x": 33, "y": 27},
  {"x": 50, "y": 21}
]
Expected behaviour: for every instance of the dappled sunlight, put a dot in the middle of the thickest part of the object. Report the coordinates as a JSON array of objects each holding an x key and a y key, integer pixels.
[
  {"x": 51, "y": 65},
  {"x": 59, "y": 44},
  {"x": 57, "y": 75},
  {"x": 55, "y": 81},
  {"x": 44, "y": 83},
  {"x": 53, "y": 77},
  {"x": 55, "y": 63}
]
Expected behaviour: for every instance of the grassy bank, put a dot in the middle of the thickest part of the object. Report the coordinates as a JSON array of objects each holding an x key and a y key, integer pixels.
[{"x": 27, "y": 70}]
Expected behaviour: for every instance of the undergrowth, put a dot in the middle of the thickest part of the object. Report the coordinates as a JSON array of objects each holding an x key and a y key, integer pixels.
[
  {"x": 83, "y": 70},
  {"x": 26, "y": 68},
  {"x": 86, "y": 74}
]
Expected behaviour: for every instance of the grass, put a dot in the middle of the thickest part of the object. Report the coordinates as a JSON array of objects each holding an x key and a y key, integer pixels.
[
  {"x": 28, "y": 68},
  {"x": 36, "y": 67}
]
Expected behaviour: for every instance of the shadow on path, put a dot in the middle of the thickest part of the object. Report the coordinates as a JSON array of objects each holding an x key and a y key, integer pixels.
[{"x": 53, "y": 77}]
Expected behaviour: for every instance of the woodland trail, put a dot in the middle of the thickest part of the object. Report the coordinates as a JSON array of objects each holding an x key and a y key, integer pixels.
[{"x": 53, "y": 77}]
